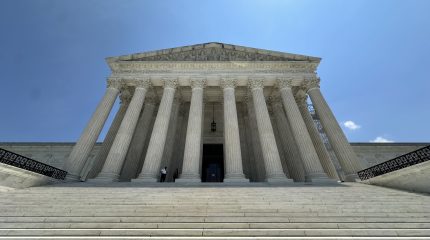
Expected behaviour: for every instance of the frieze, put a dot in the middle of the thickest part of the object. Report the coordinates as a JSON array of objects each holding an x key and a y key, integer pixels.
[{"x": 213, "y": 54}]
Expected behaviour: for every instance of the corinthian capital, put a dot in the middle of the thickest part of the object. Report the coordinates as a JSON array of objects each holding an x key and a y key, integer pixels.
[
  {"x": 228, "y": 82},
  {"x": 170, "y": 83},
  {"x": 284, "y": 82},
  {"x": 114, "y": 83},
  {"x": 257, "y": 82},
  {"x": 312, "y": 83},
  {"x": 143, "y": 83},
  {"x": 198, "y": 82}
]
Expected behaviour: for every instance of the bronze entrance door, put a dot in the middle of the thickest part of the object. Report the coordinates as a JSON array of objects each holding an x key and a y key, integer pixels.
[{"x": 213, "y": 163}]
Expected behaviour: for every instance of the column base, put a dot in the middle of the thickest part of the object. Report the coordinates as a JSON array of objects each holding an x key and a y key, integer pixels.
[
  {"x": 101, "y": 180},
  {"x": 188, "y": 180},
  {"x": 105, "y": 177},
  {"x": 319, "y": 178},
  {"x": 236, "y": 180},
  {"x": 279, "y": 180},
  {"x": 145, "y": 180},
  {"x": 72, "y": 178},
  {"x": 352, "y": 177}
]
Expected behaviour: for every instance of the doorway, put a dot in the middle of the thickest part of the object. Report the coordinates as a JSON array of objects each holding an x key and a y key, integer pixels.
[{"x": 213, "y": 163}]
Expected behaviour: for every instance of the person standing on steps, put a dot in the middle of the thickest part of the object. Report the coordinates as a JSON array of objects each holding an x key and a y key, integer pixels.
[
  {"x": 163, "y": 174},
  {"x": 176, "y": 175}
]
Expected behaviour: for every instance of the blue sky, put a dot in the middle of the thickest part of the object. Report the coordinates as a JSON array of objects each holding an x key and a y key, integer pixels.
[{"x": 374, "y": 70}]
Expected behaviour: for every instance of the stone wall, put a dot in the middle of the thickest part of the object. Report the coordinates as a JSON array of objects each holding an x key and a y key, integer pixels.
[
  {"x": 51, "y": 153},
  {"x": 374, "y": 153},
  {"x": 55, "y": 154}
]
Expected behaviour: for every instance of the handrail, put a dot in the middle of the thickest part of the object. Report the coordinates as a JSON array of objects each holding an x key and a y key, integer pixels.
[
  {"x": 16, "y": 160},
  {"x": 406, "y": 160}
]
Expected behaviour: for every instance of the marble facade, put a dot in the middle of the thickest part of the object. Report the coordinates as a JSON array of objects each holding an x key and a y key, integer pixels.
[{"x": 169, "y": 99}]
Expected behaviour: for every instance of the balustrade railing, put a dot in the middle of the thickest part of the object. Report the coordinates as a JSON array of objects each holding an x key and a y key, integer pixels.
[
  {"x": 16, "y": 160},
  {"x": 406, "y": 160}
]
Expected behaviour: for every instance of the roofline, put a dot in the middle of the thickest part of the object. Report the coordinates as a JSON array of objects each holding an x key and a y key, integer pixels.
[{"x": 211, "y": 45}]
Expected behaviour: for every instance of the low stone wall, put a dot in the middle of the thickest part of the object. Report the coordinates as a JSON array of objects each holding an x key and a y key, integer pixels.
[
  {"x": 415, "y": 178},
  {"x": 13, "y": 177},
  {"x": 371, "y": 154},
  {"x": 51, "y": 153}
]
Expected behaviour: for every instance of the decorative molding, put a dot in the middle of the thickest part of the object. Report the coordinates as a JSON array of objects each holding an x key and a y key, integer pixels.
[
  {"x": 255, "y": 83},
  {"x": 198, "y": 82},
  {"x": 228, "y": 82},
  {"x": 170, "y": 83}
]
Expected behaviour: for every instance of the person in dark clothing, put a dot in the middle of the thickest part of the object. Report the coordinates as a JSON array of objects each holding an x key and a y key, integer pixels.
[
  {"x": 163, "y": 174},
  {"x": 176, "y": 175}
]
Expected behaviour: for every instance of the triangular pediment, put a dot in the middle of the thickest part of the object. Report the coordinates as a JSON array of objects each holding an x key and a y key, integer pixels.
[{"x": 214, "y": 52}]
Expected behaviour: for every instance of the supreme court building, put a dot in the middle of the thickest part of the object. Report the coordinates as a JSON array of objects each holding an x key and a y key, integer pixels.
[{"x": 214, "y": 112}]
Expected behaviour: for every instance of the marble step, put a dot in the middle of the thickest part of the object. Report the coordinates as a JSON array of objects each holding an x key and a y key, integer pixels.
[
  {"x": 191, "y": 219},
  {"x": 205, "y": 213},
  {"x": 223, "y": 225},
  {"x": 389, "y": 232}
]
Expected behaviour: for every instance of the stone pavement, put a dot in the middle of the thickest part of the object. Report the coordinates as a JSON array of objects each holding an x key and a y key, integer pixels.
[{"x": 213, "y": 211}]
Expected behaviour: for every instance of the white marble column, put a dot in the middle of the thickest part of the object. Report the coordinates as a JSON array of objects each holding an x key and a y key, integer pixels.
[
  {"x": 182, "y": 138},
  {"x": 100, "y": 159},
  {"x": 85, "y": 144},
  {"x": 325, "y": 160},
  {"x": 150, "y": 170},
  {"x": 177, "y": 147},
  {"x": 278, "y": 139},
  {"x": 294, "y": 162},
  {"x": 115, "y": 159},
  {"x": 233, "y": 156},
  {"x": 272, "y": 161},
  {"x": 258, "y": 167},
  {"x": 193, "y": 142},
  {"x": 343, "y": 150},
  {"x": 246, "y": 158},
  {"x": 168, "y": 154},
  {"x": 134, "y": 154},
  {"x": 311, "y": 163},
  {"x": 146, "y": 144}
]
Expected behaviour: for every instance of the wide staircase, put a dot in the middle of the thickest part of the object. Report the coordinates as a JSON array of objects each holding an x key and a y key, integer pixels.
[{"x": 256, "y": 211}]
